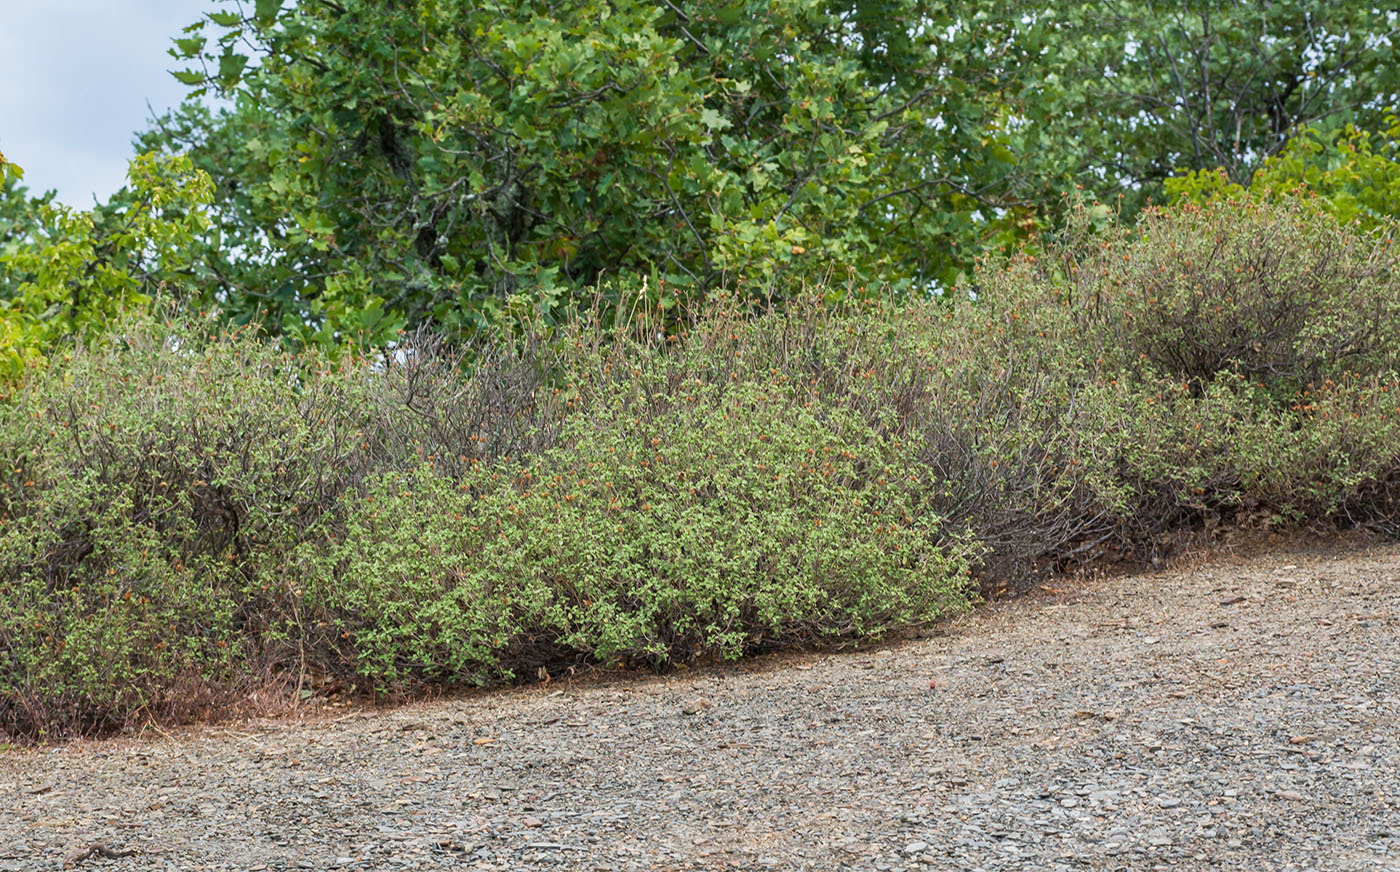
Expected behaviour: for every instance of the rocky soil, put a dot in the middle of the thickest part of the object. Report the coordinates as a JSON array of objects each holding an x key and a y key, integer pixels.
[{"x": 1235, "y": 714}]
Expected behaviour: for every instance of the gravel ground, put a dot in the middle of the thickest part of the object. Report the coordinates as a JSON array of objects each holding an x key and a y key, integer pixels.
[{"x": 1235, "y": 714}]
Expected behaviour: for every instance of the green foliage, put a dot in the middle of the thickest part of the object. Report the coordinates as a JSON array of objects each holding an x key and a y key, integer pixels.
[
  {"x": 1243, "y": 354},
  {"x": 1266, "y": 290},
  {"x": 150, "y": 483},
  {"x": 181, "y": 512},
  {"x": 10, "y": 171},
  {"x": 1140, "y": 91},
  {"x": 422, "y": 163},
  {"x": 731, "y": 521},
  {"x": 72, "y": 273},
  {"x": 1354, "y": 175}
]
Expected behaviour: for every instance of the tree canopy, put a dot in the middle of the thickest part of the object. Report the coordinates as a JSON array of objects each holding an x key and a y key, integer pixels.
[
  {"x": 427, "y": 160},
  {"x": 382, "y": 164},
  {"x": 1152, "y": 88}
]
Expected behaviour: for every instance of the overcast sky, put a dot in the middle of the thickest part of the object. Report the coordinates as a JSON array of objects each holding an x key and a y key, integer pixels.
[{"x": 75, "y": 78}]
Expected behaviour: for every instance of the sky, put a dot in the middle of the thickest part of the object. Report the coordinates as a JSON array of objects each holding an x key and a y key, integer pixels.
[{"x": 75, "y": 79}]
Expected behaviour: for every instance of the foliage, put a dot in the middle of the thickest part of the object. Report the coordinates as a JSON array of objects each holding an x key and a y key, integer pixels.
[
  {"x": 1243, "y": 352},
  {"x": 734, "y": 520},
  {"x": 70, "y": 273},
  {"x": 420, "y": 163},
  {"x": 1354, "y": 174},
  {"x": 1264, "y": 290},
  {"x": 19, "y": 221},
  {"x": 147, "y": 481},
  {"x": 1143, "y": 90},
  {"x": 182, "y": 512}
]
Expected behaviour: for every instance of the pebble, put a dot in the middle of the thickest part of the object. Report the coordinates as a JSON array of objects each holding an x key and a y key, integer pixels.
[{"x": 848, "y": 764}]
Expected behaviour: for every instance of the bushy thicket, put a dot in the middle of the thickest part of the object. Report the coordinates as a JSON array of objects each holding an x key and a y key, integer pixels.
[{"x": 182, "y": 514}]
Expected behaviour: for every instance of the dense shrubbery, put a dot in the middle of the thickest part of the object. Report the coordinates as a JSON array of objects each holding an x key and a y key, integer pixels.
[{"x": 183, "y": 513}]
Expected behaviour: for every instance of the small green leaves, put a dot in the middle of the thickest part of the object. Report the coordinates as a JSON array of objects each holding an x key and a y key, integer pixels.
[
  {"x": 9, "y": 172},
  {"x": 1350, "y": 173},
  {"x": 86, "y": 269}
]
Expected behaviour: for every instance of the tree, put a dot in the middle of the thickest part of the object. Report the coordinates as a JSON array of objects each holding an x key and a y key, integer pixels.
[
  {"x": 1151, "y": 88},
  {"x": 1352, "y": 174},
  {"x": 68, "y": 272},
  {"x": 390, "y": 164}
]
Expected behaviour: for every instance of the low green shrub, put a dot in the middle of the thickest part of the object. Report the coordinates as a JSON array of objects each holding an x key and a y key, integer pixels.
[
  {"x": 1233, "y": 355},
  {"x": 729, "y": 522},
  {"x": 184, "y": 513},
  {"x": 1271, "y": 291},
  {"x": 150, "y": 484}
]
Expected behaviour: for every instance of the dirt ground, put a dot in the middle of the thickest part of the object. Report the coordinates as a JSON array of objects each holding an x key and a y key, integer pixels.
[{"x": 1234, "y": 713}]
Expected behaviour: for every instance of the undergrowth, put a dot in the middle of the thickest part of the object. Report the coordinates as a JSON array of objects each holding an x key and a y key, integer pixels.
[{"x": 186, "y": 511}]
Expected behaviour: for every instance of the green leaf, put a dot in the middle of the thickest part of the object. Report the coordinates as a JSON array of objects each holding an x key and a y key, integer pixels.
[
  {"x": 231, "y": 68},
  {"x": 266, "y": 11},
  {"x": 188, "y": 47},
  {"x": 713, "y": 120}
]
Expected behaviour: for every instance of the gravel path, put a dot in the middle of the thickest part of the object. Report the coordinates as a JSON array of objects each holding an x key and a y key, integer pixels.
[{"x": 1232, "y": 715}]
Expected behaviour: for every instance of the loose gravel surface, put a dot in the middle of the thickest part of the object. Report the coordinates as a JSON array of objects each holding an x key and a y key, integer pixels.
[{"x": 1236, "y": 714}]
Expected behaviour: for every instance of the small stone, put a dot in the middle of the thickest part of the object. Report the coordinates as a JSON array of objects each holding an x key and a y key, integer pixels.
[
  {"x": 1169, "y": 802},
  {"x": 1291, "y": 795},
  {"x": 532, "y": 823},
  {"x": 915, "y": 848},
  {"x": 1069, "y": 802}
]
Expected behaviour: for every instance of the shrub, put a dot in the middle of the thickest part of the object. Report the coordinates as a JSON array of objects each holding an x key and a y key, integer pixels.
[
  {"x": 1238, "y": 354},
  {"x": 184, "y": 513},
  {"x": 729, "y": 522},
  {"x": 151, "y": 484},
  {"x": 1270, "y": 291}
]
